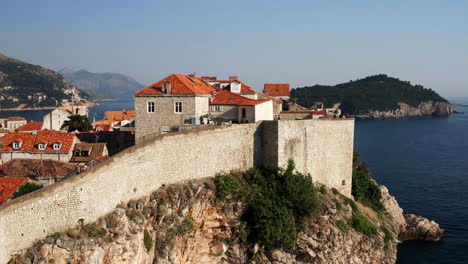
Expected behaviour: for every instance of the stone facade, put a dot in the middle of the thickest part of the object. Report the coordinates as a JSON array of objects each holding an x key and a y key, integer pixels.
[
  {"x": 321, "y": 148},
  {"x": 164, "y": 117},
  {"x": 59, "y": 156}
]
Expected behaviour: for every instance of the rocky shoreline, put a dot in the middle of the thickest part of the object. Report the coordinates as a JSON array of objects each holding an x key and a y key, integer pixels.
[
  {"x": 425, "y": 109},
  {"x": 185, "y": 223}
]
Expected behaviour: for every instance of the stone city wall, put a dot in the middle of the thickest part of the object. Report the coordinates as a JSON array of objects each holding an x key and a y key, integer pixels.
[{"x": 194, "y": 154}]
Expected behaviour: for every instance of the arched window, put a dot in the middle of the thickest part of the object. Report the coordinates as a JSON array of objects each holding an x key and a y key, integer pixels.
[
  {"x": 57, "y": 146},
  {"x": 42, "y": 146},
  {"x": 17, "y": 145}
]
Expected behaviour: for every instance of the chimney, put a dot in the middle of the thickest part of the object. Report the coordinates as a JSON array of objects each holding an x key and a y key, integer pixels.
[
  {"x": 233, "y": 78},
  {"x": 192, "y": 77}
]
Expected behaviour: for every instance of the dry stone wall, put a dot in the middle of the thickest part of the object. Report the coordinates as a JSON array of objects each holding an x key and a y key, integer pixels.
[{"x": 171, "y": 158}]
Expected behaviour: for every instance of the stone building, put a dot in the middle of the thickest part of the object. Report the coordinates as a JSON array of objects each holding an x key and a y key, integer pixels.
[
  {"x": 13, "y": 122},
  {"x": 278, "y": 90},
  {"x": 55, "y": 119},
  {"x": 44, "y": 145},
  {"x": 180, "y": 101},
  {"x": 237, "y": 86},
  {"x": 30, "y": 127},
  {"x": 116, "y": 120},
  {"x": 239, "y": 109},
  {"x": 175, "y": 100}
]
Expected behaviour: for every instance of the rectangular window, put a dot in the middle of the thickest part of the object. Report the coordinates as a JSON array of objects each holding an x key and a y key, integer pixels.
[
  {"x": 150, "y": 107},
  {"x": 243, "y": 113},
  {"x": 178, "y": 107},
  {"x": 217, "y": 108}
]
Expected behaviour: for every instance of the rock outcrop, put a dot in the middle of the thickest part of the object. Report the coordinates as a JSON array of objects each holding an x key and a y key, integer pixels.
[
  {"x": 420, "y": 228},
  {"x": 186, "y": 223},
  {"x": 425, "y": 109},
  {"x": 410, "y": 226}
]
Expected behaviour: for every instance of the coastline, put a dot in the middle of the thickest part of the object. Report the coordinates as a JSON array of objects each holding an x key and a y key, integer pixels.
[{"x": 39, "y": 108}]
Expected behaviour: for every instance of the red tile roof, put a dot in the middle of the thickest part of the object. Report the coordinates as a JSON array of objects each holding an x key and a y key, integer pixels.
[
  {"x": 180, "y": 84},
  {"x": 245, "y": 89},
  {"x": 30, "y": 126},
  {"x": 30, "y": 142},
  {"x": 119, "y": 115},
  {"x": 31, "y": 168},
  {"x": 15, "y": 118},
  {"x": 79, "y": 103},
  {"x": 276, "y": 89},
  {"x": 226, "y": 97},
  {"x": 8, "y": 186}
]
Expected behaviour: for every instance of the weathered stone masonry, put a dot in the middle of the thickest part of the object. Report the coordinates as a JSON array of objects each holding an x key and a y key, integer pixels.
[{"x": 320, "y": 147}]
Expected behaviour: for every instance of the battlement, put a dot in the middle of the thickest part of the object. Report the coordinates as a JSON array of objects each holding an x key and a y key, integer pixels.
[{"x": 321, "y": 148}]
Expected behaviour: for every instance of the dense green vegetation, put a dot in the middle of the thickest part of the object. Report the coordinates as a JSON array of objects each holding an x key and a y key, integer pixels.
[
  {"x": 77, "y": 122},
  {"x": 364, "y": 189},
  {"x": 363, "y": 225},
  {"x": 26, "y": 188},
  {"x": 278, "y": 202},
  {"x": 27, "y": 80},
  {"x": 228, "y": 187},
  {"x": 378, "y": 92}
]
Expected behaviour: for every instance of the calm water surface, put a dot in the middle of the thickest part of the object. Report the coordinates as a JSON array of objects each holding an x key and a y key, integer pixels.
[
  {"x": 424, "y": 163},
  {"x": 96, "y": 112}
]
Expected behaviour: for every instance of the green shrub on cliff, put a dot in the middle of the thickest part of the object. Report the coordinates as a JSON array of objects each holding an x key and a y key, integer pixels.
[
  {"x": 364, "y": 189},
  {"x": 363, "y": 225},
  {"x": 228, "y": 186},
  {"x": 278, "y": 204}
]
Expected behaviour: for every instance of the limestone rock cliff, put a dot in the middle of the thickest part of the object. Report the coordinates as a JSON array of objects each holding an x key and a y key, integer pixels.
[
  {"x": 185, "y": 223},
  {"x": 425, "y": 109}
]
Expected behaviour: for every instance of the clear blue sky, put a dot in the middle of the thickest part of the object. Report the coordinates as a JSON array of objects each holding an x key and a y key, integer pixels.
[{"x": 299, "y": 42}]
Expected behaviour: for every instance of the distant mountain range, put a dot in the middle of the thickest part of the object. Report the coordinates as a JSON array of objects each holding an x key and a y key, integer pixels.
[
  {"x": 24, "y": 85},
  {"x": 103, "y": 85}
]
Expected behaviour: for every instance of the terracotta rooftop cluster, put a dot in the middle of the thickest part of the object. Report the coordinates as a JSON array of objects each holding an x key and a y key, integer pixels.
[{"x": 28, "y": 142}]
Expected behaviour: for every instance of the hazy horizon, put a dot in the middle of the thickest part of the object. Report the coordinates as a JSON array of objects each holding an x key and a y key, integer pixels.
[{"x": 302, "y": 42}]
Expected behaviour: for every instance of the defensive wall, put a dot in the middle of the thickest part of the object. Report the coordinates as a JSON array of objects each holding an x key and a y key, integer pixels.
[{"x": 322, "y": 148}]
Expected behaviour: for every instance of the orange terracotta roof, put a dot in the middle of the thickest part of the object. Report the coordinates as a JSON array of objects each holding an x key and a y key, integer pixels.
[
  {"x": 79, "y": 103},
  {"x": 67, "y": 108},
  {"x": 49, "y": 131},
  {"x": 26, "y": 138},
  {"x": 119, "y": 115},
  {"x": 30, "y": 126},
  {"x": 270, "y": 97},
  {"x": 15, "y": 118},
  {"x": 9, "y": 185},
  {"x": 180, "y": 84},
  {"x": 226, "y": 97},
  {"x": 103, "y": 127},
  {"x": 245, "y": 89},
  {"x": 276, "y": 89},
  {"x": 30, "y": 142},
  {"x": 66, "y": 139}
]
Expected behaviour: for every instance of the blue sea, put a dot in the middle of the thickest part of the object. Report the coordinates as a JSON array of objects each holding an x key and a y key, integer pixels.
[
  {"x": 95, "y": 113},
  {"x": 424, "y": 163}
]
